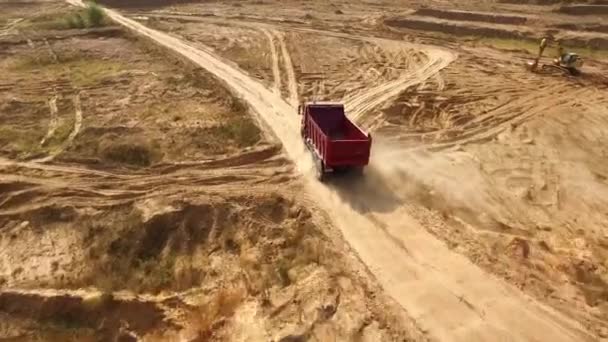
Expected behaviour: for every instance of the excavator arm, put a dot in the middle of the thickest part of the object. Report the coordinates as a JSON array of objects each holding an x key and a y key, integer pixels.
[
  {"x": 541, "y": 49},
  {"x": 565, "y": 61}
]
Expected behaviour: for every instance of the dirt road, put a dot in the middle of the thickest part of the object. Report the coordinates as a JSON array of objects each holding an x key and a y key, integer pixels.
[{"x": 449, "y": 297}]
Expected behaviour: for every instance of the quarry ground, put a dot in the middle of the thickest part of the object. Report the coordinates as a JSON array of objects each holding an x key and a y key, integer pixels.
[{"x": 142, "y": 194}]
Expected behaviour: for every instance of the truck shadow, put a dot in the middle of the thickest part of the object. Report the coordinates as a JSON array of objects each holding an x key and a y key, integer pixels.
[{"x": 366, "y": 192}]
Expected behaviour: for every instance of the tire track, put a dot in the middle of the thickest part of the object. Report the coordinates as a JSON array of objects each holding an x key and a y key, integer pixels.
[
  {"x": 372, "y": 99},
  {"x": 53, "y": 123},
  {"x": 292, "y": 84},
  {"x": 276, "y": 70},
  {"x": 70, "y": 138}
]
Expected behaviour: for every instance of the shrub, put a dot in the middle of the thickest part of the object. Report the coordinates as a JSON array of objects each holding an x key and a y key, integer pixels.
[
  {"x": 75, "y": 21},
  {"x": 94, "y": 15},
  {"x": 130, "y": 153},
  {"x": 240, "y": 131},
  {"x": 244, "y": 132}
]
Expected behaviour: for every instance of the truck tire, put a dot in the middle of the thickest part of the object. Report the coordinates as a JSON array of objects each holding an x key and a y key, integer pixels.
[
  {"x": 356, "y": 172},
  {"x": 319, "y": 169}
]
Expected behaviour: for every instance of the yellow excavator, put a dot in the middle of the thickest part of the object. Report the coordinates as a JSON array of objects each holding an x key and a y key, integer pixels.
[{"x": 569, "y": 62}]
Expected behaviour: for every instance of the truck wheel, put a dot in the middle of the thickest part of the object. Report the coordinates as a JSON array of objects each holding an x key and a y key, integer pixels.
[
  {"x": 319, "y": 170},
  {"x": 357, "y": 172}
]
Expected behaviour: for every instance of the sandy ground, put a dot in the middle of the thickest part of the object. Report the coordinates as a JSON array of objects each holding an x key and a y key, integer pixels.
[
  {"x": 139, "y": 199},
  {"x": 481, "y": 215}
]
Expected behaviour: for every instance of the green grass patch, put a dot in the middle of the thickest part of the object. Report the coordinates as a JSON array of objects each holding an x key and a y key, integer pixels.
[
  {"x": 94, "y": 15},
  {"x": 29, "y": 62},
  {"x": 82, "y": 70},
  {"x": 134, "y": 152},
  {"x": 89, "y": 17},
  {"x": 528, "y": 46},
  {"x": 24, "y": 141},
  {"x": 240, "y": 132},
  {"x": 8, "y": 134},
  {"x": 87, "y": 72},
  {"x": 235, "y": 130},
  {"x": 20, "y": 143},
  {"x": 61, "y": 134}
]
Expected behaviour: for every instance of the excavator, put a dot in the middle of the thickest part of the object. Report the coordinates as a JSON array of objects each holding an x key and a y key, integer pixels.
[{"x": 568, "y": 62}]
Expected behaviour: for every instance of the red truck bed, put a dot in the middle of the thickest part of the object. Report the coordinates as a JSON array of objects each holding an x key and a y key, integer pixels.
[{"x": 335, "y": 141}]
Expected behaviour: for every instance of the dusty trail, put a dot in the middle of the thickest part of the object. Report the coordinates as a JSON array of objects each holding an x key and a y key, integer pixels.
[{"x": 449, "y": 297}]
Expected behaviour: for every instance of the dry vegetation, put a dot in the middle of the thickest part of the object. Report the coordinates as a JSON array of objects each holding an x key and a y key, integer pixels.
[{"x": 157, "y": 104}]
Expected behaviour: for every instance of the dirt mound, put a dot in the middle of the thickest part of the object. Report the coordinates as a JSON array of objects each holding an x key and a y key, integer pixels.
[
  {"x": 455, "y": 28},
  {"x": 583, "y": 27},
  {"x": 144, "y": 4},
  {"x": 496, "y": 18},
  {"x": 599, "y": 43},
  {"x": 148, "y": 251},
  {"x": 534, "y": 2},
  {"x": 162, "y": 251},
  {"x": 584, "y": 9},
  {"x": 226, "y": 255},
  {"x": 522, "y": 35},
  {"x": 99, "y": 312},
  {"x": 593, "y": 286}
]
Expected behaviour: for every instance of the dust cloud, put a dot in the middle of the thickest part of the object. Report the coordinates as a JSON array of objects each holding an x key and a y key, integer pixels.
[{"x": 448, "y": 181}]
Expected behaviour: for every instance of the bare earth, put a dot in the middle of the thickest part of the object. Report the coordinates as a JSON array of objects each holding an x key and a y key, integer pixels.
[{"x": 153, "y": 182}]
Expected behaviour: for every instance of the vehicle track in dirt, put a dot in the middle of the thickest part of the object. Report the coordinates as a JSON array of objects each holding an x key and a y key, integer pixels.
[
  {"x": 29, "y": 189},
  {"x": 523, "y": 104},
  {"x": 71, "y": 136},
  {"x": 277, "y": 38},
  {"x": 361, "y": 105},
  {"x": 447, "y": 295},
  {"x": 366, "y": 85},
  {"x": 276, "y": 69},
  {"x": 292, "y": 84},
  {"x": 53, "y": 123}
]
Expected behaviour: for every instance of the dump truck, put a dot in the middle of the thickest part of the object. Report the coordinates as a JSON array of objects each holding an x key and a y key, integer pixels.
[{"x": 336, "y": 143}]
